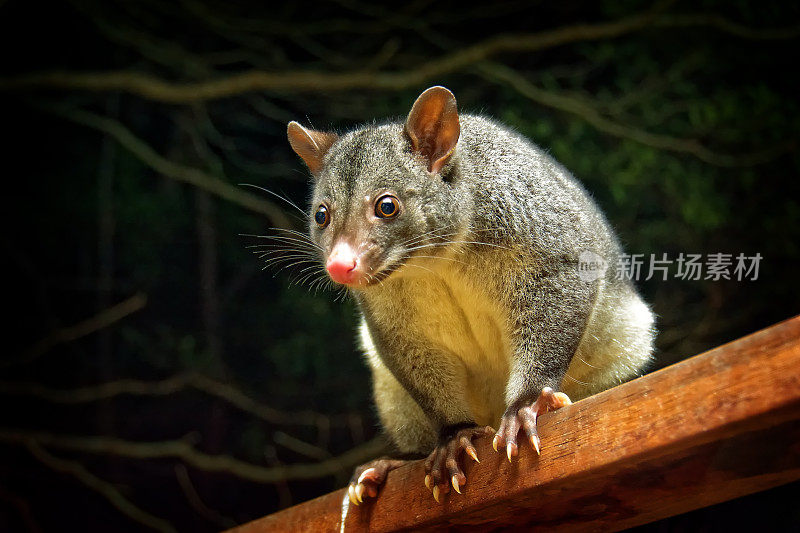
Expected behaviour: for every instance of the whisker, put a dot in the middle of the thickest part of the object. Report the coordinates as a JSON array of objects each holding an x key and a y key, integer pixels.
[
  {"x": 318, "y": 283},
  {"x": 285, "y": 247},
  {"x": 435, "y": 244},
  {"x": 278, "y": 249},
  {"x": 312, "y": 267},
  {"x": 343, "y": 292},
  {"x": 294, "y": 232},
  {"x": 441, "y": 257},
  {"x": 285, "y": 256},
  {"x": 434, "y": 233},
  {"x": 439, "y": 233},
  {"x": 423, "y": 268},
  {"x": 282, "y": 244},
  {"x": 575, "y": 380},
  {"x": 291, "y": 263},
  {"x": 427, "y": 233},
  {"x": 276, "y": 195},
  {"x": 585, "y": 363},
  {"x": 284, "y": 238},
  {"x": 254, "y": 236},
  {"x": 303, "y": 278}
]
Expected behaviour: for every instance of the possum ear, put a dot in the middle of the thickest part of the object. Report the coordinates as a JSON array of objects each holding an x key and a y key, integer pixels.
[
  {"x": 310, "y": 145},
  {"x": 432, "y": 126}
]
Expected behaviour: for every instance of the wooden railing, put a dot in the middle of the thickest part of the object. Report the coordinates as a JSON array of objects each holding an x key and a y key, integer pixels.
[{"x": 714, "y": 427}]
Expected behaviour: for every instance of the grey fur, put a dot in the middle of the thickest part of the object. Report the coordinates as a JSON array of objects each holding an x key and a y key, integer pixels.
[{"x": 496, "y": 310}]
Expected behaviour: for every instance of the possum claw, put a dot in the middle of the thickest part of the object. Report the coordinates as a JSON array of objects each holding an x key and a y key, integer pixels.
[
  {"x": 351, "y": 494},
  {"x": 368, "y": 478},
  {"x": 511, "y": 450},
  {"x": 436, "y": 493},
  {"x": 523, "y": 415},
  {"x": 444, "y": 466},
  {"x": 536, "y": 443},
  {"x": 472, "y": 453}
]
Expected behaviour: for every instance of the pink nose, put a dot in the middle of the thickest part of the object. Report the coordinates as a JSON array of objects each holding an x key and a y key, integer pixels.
[{"x": 342, "y": 264}]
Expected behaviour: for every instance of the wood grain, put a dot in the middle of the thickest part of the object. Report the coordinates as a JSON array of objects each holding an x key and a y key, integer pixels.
[{"x": 714, "y": 427}]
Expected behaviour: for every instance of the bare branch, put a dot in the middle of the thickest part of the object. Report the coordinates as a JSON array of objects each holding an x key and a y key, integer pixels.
[
  {"x": 72, "y": 333},
  {"x": 148, "y": 86},
  {"x": 181, "y": 449},
  {"x": 300, "y": 446},
  {"x": 104, "y": 488},
  {"x": 588, "y": 112},
  {"x": 177, "y": 383},
  {"x": 97, "y": 392},
  {"x": 720, "y": 23},
  {"x": 159, "y": 51},
  {"x": 194, "y": 499},
  {"x": 244, "y": 402},
  {"x": 185, "y": 174},
  {"x": 21, "y": 505}
]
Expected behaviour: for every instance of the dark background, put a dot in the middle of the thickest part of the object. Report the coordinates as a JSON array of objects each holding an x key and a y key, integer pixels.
[{"x": 141, "y": 330}]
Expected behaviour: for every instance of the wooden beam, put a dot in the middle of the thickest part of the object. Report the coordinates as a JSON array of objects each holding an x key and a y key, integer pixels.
[{"x": 720, "y": 425}]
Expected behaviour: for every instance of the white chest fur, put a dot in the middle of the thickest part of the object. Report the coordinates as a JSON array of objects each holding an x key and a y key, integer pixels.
[{"x": 441, "y": 307}]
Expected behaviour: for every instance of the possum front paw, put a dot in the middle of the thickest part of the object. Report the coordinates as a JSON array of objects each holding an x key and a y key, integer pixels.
[
  {"x": 523, "y": 414},
  {"x": 368, "y": 477},
  {"x": 442, "y": 467}
]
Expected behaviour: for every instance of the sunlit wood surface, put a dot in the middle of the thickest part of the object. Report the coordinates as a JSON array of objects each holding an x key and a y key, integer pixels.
[{"x": 717, "y": 426}]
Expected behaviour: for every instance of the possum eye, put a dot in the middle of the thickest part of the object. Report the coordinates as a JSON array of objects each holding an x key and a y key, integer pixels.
[
  {"x": 322, "y": 217},
  {"x": 387, "y": 206}
]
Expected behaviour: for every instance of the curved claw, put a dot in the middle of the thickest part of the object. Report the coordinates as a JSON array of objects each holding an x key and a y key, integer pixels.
[
  {"x": 523, "y": 415},
  {"x": 368, "y": 478},
  {"x": 511, "y": 450},
  {"x": 472, "y": 453},
  {"x": 536, "y": 443},
  {"x": 351, "y": 494},
  {"x": 444, "y": 465}
]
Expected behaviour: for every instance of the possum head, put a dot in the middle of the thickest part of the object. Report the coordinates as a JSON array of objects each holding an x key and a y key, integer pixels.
[{"x": 383, "y": 194}]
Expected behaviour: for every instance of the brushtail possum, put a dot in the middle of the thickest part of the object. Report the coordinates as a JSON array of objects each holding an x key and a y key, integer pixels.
[{"x": 461, "y": 243}]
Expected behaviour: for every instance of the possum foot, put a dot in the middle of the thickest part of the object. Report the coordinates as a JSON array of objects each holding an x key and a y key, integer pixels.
[
  {"x": 443, "y": 467},
  {"x": 368, "y": 478},
  {"x": 523, "y": 414}
]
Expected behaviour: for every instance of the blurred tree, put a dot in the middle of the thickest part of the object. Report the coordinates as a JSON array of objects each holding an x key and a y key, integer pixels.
[{"x": 233, "y": 392}]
